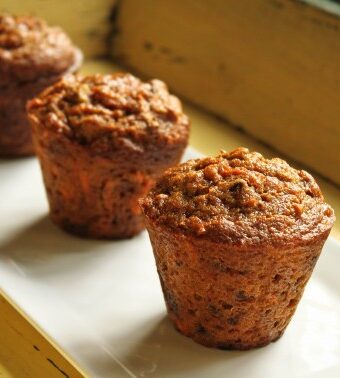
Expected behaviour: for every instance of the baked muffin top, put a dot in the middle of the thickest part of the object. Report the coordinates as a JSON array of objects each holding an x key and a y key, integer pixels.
[
  {"x": 99, "y": 110},
  {"x": 30, "y": 50},
  {"x": 240, "y": 197}
]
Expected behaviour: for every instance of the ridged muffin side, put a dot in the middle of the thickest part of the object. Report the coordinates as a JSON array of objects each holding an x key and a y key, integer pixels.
[{"x": 235, "y": 239}]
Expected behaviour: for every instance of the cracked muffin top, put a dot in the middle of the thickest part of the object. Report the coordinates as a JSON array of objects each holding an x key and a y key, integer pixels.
[
  {"x": 102, "y": 110},
  {"x": 30, "y": 50},
  {"x": 240, "y": 197}
]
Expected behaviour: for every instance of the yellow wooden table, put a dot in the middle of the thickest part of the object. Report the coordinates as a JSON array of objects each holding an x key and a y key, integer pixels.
[{"x": 24, "y": 349}]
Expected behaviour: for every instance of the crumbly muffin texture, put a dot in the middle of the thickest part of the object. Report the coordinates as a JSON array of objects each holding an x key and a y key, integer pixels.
[
  {"x": 107, "y": 111},
  {"x": 31, "y": 50},
  {"x": 240, "y": 197}
]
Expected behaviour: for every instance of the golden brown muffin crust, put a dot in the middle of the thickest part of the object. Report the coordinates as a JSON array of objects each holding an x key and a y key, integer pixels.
[
  {"x": 31, "y": 50},
  {"x": 102, "y": 111},
  {"x": 240, "y": 197},
  {"x": 102, "y": 141}
]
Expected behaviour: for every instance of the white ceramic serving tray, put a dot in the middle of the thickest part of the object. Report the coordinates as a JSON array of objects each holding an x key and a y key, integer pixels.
[{"x": 101, "y": 300}]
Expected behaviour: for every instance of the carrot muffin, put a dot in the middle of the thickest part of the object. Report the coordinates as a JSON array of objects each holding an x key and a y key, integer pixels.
[
  {"x": 102, "y": 141},
  {"x": 235, "y": 239},
  {"x": 33, "y": 55}
]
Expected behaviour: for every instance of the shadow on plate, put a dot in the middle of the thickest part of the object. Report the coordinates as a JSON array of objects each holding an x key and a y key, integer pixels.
[
  {"x": 163, "y": 352},
  {"x": 157, "y": 350},
  {"x": 17, "y": 169},
  {"x": 4, "y": 160},
  {"x": 42, "y": 247}
]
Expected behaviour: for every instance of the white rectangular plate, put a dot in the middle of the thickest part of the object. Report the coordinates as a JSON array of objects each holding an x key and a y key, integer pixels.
[{"x": 101, "y": 300}]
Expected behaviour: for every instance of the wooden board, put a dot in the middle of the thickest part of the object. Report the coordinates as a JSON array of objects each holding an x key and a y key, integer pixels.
[
  {"x": 268, "y": 66},
  {"x": 38, "y": 356}
]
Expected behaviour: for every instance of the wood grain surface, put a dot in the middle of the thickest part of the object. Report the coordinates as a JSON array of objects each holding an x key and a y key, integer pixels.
[
  {"x": 25, "y": 351},
  {"x": 270, "y": 67}
]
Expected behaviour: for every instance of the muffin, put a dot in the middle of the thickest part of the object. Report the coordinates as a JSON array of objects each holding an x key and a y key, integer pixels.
[
  {"x": 33, "y": 56},
  {"x": 235, "y": 239},
  {"x": 102, "y": 140}
]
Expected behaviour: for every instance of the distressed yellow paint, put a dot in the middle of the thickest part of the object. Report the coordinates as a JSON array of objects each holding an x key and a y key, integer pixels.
[
  {"x": 270, "y": 66},
  {"x": 25, "y": 351},
  {"x": 4, "y": 373}
]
